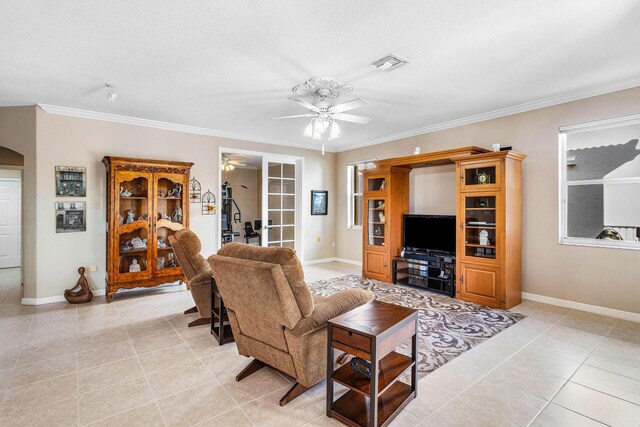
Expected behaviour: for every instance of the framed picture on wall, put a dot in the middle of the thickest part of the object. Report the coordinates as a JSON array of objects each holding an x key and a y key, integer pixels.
[
  {"x": 71, "y": 217},
  {"x": 319, "y": 201},
  {"x": 71, "y": 181}
]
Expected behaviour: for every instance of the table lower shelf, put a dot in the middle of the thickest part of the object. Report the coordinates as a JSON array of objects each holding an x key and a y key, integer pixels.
[
  {"x": 353, "y": 408},
  {"x": 391, "y": 367}
]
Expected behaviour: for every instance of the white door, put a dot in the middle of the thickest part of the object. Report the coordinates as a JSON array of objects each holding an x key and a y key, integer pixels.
[
  {"x": 10, "y": 226},
  {"x": 279, "y": 183}
]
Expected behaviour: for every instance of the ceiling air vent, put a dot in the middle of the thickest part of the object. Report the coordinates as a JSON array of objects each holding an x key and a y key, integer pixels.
[{"x": 389, "y": 62}]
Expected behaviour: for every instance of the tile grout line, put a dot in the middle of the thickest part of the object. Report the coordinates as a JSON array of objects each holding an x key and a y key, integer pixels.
[
  {"x": 208, "y": 370},
  {"x": 485, "y": 375},
  {"x": 155, "y": 401},
  {"x": 568, "y": 380}
]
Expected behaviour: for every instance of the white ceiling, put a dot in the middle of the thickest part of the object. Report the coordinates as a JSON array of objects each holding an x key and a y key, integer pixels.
[{"x": 230, "y": 65}]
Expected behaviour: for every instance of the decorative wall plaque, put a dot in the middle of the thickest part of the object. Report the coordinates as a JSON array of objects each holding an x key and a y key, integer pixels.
[
  {"x": 195, "y": 195},
  {"x": 208, "y": 203},
  {"x": 71, "y": 181},
  {"x": 70, "y": 217}
]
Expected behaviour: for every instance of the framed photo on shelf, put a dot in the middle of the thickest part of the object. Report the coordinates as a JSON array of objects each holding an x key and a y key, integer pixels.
[
  {"x": 71, "y": 217},
  {"x": 71, "y": 181},
  {"x": 319, "y": 202}
]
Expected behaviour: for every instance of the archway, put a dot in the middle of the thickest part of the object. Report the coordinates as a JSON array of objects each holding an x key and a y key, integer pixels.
[{"x": 11, "y": 253}]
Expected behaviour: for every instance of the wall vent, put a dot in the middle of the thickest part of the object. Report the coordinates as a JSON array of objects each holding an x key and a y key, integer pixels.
[{"x": 389, "y": 63}]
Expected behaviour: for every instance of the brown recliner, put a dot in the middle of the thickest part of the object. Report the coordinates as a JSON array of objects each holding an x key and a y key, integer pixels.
[
  {"x": 186, "y": 245},
  {"x": 273, "y": 315}
]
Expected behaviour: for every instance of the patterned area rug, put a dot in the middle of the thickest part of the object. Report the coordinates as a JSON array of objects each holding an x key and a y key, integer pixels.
[{"x": 447, "y": 327}]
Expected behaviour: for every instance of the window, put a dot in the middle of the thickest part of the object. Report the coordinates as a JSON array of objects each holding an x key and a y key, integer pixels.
[
  {"x": 600, "y": 183},
  {"x": 354, "y": 190}
]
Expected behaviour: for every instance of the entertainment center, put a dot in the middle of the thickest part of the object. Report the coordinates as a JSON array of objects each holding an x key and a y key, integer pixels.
[{"x": 478, "y": 262}]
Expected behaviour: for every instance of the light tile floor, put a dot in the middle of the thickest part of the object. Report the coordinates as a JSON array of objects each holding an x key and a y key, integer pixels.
[{"x": 135, "y": 362}]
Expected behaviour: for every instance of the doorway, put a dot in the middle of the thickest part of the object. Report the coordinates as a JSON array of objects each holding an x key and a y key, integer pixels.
[
  {"x": 11, "y": 164},
  {"x": 269, "y": 214}
]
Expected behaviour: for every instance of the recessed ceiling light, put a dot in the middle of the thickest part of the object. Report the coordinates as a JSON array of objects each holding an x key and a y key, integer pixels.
[{"x": 389, "y": 62}]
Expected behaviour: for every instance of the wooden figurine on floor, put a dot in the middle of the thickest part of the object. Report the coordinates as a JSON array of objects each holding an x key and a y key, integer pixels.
[{"x": 80, "y": 292}]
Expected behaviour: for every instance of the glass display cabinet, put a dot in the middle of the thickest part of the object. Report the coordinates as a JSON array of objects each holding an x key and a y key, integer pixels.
[{"x": 147, "y": 201}]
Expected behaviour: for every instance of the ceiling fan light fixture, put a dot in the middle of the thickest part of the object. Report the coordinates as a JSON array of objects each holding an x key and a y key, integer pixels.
[
  {"x": 335, "y": 131},
  {"x": 308, "y": 131}
]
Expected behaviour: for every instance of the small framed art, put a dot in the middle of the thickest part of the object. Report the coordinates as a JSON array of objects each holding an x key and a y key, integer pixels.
[
  {"x": 71, "y": 181},
  {"x": 71, "y": 217},
  {"x": 319, "y": 202}
]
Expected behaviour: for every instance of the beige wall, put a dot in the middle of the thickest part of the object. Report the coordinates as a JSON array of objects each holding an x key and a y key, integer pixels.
[
  {"x": 602, "y": 277},
  {"x": 18, "y": 133},
  {"x": 63, "y": 140}
]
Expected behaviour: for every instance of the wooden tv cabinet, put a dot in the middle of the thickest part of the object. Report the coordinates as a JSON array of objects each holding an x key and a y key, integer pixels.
[{"x": 488, "y": 199}]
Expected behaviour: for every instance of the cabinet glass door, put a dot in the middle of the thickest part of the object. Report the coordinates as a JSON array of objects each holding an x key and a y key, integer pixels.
[
  {"x": 376, "y": 183},
  {"x": 133, "y": 205},
  {"x": 479, "y": 226},
  {"x": 376, "y": 222},
  {"x": 481, "y": 176},
  {"x": 170, "y": 198}
]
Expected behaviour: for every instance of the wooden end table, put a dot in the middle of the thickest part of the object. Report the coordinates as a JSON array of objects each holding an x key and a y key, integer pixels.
[
  {"x": 372, "y": 332},
  {"x": 220, "y": 326}
]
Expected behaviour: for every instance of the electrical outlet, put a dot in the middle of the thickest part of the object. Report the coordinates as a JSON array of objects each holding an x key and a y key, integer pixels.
[
  {"x": 333, "y": 244},
  {"x": 318, "y": 239},
  {"x": 91, "y": 268}
]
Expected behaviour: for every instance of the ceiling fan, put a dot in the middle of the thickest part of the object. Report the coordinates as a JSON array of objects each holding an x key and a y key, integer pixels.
[
  {"x": 228, "y": 164},
  {"x": 323, "y": 113}
]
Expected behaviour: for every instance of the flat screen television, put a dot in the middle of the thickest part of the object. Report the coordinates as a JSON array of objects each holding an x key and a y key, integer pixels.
[{"x": 429, "y": 233}]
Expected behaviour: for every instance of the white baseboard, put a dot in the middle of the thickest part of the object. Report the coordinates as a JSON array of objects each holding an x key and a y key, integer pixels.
[
  {"x": 604, "y": 311},
  {"x": 326, "y": 260},
  {"x": 318, "y": 261},
  {"x": 349, "y": 261},
  {"x": 96, "y": 293}
]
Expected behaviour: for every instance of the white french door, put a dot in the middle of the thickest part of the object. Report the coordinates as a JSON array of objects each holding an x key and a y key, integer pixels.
[
  {"x": 279, "y": 201},
  {"x": 10, "y": 223}
]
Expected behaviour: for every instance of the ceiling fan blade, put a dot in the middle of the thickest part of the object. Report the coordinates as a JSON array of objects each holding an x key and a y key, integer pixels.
[
  {"x": 351, "y": 118},
  {"x": 356, "y": 103},
  {"x": 237, "y": 163},
  {"x": 306, "y": 104},
  {"x": 297, "y": 115}
]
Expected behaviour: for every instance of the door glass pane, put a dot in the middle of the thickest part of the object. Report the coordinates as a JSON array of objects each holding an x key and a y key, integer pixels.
[
  {"x": 480, "y": 176},
  {"x": 288, "y": 245},
  {"x": 377, "y": 222},
  {"x": 288, "y": 233},
  {"x": 288, "y": 171},
  {"x": 288, "y": 217},
  {"x": 134, "y": 250},
  {"x": 275, "y": 202},
  {"x": 376, "y": 184},
  {"x": 275, "y": 170},
  {"x": 288, "y": 202},
  {"x": 275, "y": 186},
  {"x": 166, "y": 258},
  {"x": 274, "y": 217},
  {"x": 275, "y": 234},
  {"x": 288, "y": 186},
  {"x": 480, "y": 227}
]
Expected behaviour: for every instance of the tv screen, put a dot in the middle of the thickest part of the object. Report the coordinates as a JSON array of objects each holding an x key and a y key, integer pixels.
[{"x": 429, "y": 233}]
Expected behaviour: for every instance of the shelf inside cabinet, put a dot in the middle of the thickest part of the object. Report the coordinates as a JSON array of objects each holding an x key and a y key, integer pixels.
[
  {"x": 391, "y": 367},
  {"x": 133, "y": 251},
  {"x": 355, "y": 406},
  {"x": 476, "y": 245}
]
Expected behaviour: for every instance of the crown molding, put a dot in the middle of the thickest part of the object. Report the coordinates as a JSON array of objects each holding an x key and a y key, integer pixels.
[
  {"x": 502, "y": 112},
  {"x": 115, "y": 118}
]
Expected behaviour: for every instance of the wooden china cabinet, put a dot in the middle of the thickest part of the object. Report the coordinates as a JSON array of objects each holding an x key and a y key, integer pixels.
[
  {"x": 147, "y": 201},
  {"x": 489, "y": 253},
  {"x": 386, "y": 198}
]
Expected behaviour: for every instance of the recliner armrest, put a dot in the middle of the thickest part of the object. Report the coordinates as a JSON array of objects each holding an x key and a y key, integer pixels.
[
  {"x": 330, "y": 307},
  {"x": 204, "y": 277}
]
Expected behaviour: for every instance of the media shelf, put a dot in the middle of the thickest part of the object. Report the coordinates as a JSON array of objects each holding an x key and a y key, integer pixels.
[{"x": 433, "y": 272}]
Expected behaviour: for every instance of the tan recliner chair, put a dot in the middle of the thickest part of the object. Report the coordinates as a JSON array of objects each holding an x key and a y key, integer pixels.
[
  {"x": 273, "y": 315},
  {"x": 186, "y": 245}
]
